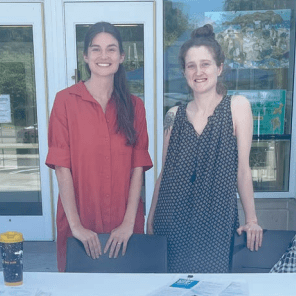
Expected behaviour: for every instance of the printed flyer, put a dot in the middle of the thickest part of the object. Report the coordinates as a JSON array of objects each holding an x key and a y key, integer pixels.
[{"x": 268, "y": 108}]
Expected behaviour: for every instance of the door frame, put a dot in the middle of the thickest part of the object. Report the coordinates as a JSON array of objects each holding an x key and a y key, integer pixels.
[
  {"x": 122, "y": 13},
  {"x": 41, "y": 227}
]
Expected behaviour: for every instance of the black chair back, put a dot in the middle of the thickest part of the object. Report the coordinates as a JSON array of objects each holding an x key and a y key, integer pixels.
[
  {"x": 145, "y": 253},
  {"x": 275, "y": 243}
]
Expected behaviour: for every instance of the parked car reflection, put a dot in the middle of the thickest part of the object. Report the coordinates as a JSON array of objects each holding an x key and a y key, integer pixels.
[{"x": 28, "y": 134}]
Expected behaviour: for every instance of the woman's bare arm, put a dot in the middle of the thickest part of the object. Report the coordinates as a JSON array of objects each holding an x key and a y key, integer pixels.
[
  {"x": 243, "y": 128},
  {"x": 89, "y": 238},
  {"x": 168, "y": 126}
]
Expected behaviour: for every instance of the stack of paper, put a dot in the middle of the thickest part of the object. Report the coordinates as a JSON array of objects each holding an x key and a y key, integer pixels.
[{"x": 196, "y": 287}]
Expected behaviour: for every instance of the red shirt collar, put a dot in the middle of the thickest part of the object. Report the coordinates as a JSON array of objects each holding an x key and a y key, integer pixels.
[{"x": 79, "y": 89}]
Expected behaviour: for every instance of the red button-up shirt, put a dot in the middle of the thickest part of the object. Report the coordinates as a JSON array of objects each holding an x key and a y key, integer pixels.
[{"x": 83, "y": 138}]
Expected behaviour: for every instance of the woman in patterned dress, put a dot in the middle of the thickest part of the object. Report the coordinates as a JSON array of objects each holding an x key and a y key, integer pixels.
[
  {"x": 287, "y": 263},
  {"x": 206, "y": 151}
]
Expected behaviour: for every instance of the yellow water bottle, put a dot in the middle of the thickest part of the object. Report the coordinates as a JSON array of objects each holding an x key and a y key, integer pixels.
[{"x": 11, "y": 243}]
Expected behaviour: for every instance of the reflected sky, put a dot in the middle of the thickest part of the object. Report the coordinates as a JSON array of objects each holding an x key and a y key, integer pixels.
[{"x": 195, "y": 9}]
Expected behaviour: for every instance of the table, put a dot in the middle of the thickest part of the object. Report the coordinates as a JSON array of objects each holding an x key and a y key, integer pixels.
[{"x": 95, "y": 284}]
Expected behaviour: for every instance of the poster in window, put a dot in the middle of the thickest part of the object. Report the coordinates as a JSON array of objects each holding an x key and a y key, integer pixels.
[
  {"x": 268, "y": 108},
  {"x": 253, "y": 39},
  {"x": 5, "y": 109}
]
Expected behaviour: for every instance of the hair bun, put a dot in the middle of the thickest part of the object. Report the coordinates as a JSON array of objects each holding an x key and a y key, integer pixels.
[{"x": 206, "y": 31}]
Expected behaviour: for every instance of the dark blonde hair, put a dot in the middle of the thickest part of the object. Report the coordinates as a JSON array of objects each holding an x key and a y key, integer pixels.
[{"x": 204, "y": 36}]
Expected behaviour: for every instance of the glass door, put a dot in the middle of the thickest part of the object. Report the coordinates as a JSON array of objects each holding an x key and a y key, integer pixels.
[
  {"x": 25, "y": 204},
  {"x": 135, "y": 20}
]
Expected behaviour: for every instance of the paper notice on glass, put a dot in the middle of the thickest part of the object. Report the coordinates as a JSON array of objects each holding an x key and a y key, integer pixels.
[
  {"x": 237, "y": 289},
  {"x": 5, "y": 109}
]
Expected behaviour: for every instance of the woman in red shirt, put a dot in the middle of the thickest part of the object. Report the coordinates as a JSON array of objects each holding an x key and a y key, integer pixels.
[{"x": 98, "y": 146}]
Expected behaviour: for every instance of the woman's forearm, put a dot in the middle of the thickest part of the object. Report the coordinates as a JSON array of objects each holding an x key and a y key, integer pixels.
[
  {"x": 67, "y": 195},
  {"x": 154, "y": 199},
  {"x": 134, "y": 196},
  {"x": 246, "y": 193}
]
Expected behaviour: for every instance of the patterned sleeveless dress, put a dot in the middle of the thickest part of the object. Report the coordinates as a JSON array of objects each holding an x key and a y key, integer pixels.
[{"x": 197, "y": 202}]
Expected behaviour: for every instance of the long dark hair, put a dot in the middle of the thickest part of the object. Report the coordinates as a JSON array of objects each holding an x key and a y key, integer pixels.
[
  {"x": 121, "y": 93},
  {"x": 205, "y": 36}
]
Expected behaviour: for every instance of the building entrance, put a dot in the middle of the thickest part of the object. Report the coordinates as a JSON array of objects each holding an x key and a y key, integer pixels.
[{"x": 25, "y": 203}]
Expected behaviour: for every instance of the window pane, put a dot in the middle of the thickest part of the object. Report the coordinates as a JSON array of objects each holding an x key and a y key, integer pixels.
[
  {"x": 258, "y": 39},
  {"x": 19, "y": 159},
  {"x": 270, "y": 162}
]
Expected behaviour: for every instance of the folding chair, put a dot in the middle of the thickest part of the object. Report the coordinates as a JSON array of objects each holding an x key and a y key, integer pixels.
[
  {"x": 145, "y": 253},
  {"x": 275, "y": 243}
]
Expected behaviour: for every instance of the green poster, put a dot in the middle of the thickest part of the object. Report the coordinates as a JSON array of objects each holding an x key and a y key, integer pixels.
[{"x": 268, "y": 107}]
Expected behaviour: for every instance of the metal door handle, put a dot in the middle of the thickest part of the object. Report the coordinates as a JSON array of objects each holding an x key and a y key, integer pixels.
[{"x": 75, "y": 76}]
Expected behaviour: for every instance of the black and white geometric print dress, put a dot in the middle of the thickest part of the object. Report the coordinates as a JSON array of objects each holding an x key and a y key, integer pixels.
[
  {"x": 197, "y": 202},
  {"x": 287, "y": 262}
]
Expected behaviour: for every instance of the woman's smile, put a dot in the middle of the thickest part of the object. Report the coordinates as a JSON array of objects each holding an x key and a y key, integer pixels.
[
  {"x": 199, "y": 80},
  {"x": 103, "y": 65}
]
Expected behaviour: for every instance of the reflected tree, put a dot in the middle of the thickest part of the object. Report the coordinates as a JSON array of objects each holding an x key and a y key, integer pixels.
[
  {"x": 240, "y": 5},
  {"x": 17, "y": 72},
  {"x": 265, "y": 18},
  {"x": 175, "y": 23}
]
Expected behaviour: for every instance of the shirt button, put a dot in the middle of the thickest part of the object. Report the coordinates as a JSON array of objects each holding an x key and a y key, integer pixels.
[
  {"x": 106, "y": 157},
  {"x": 107, "y": 177}
]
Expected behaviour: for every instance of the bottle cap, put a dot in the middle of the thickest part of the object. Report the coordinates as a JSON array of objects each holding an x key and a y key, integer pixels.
[{"x": 11, "y": 237}]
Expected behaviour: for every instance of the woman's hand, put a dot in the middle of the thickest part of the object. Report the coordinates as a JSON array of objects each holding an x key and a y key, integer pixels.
[
  {"x": 119, "y": 237},
  {"x": 90, "y": 241},
  {"x": 254, "y": 235}
]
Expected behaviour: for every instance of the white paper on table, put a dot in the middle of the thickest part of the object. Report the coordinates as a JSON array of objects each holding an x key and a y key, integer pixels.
[
  {"x": 236, "y": 288},
  {"x": 22, "y": 291},
  {"x": 206, "y": 288},
  {"x": 169, "y": 291}
]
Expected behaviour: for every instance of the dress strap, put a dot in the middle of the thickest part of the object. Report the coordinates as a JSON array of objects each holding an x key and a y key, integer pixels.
[{"x": 180, "y": 116}]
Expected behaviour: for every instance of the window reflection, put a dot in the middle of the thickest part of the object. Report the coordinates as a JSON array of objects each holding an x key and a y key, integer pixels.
[
  {"x": 258, "y": 38},
  {"x": 19, "y": 157}
]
